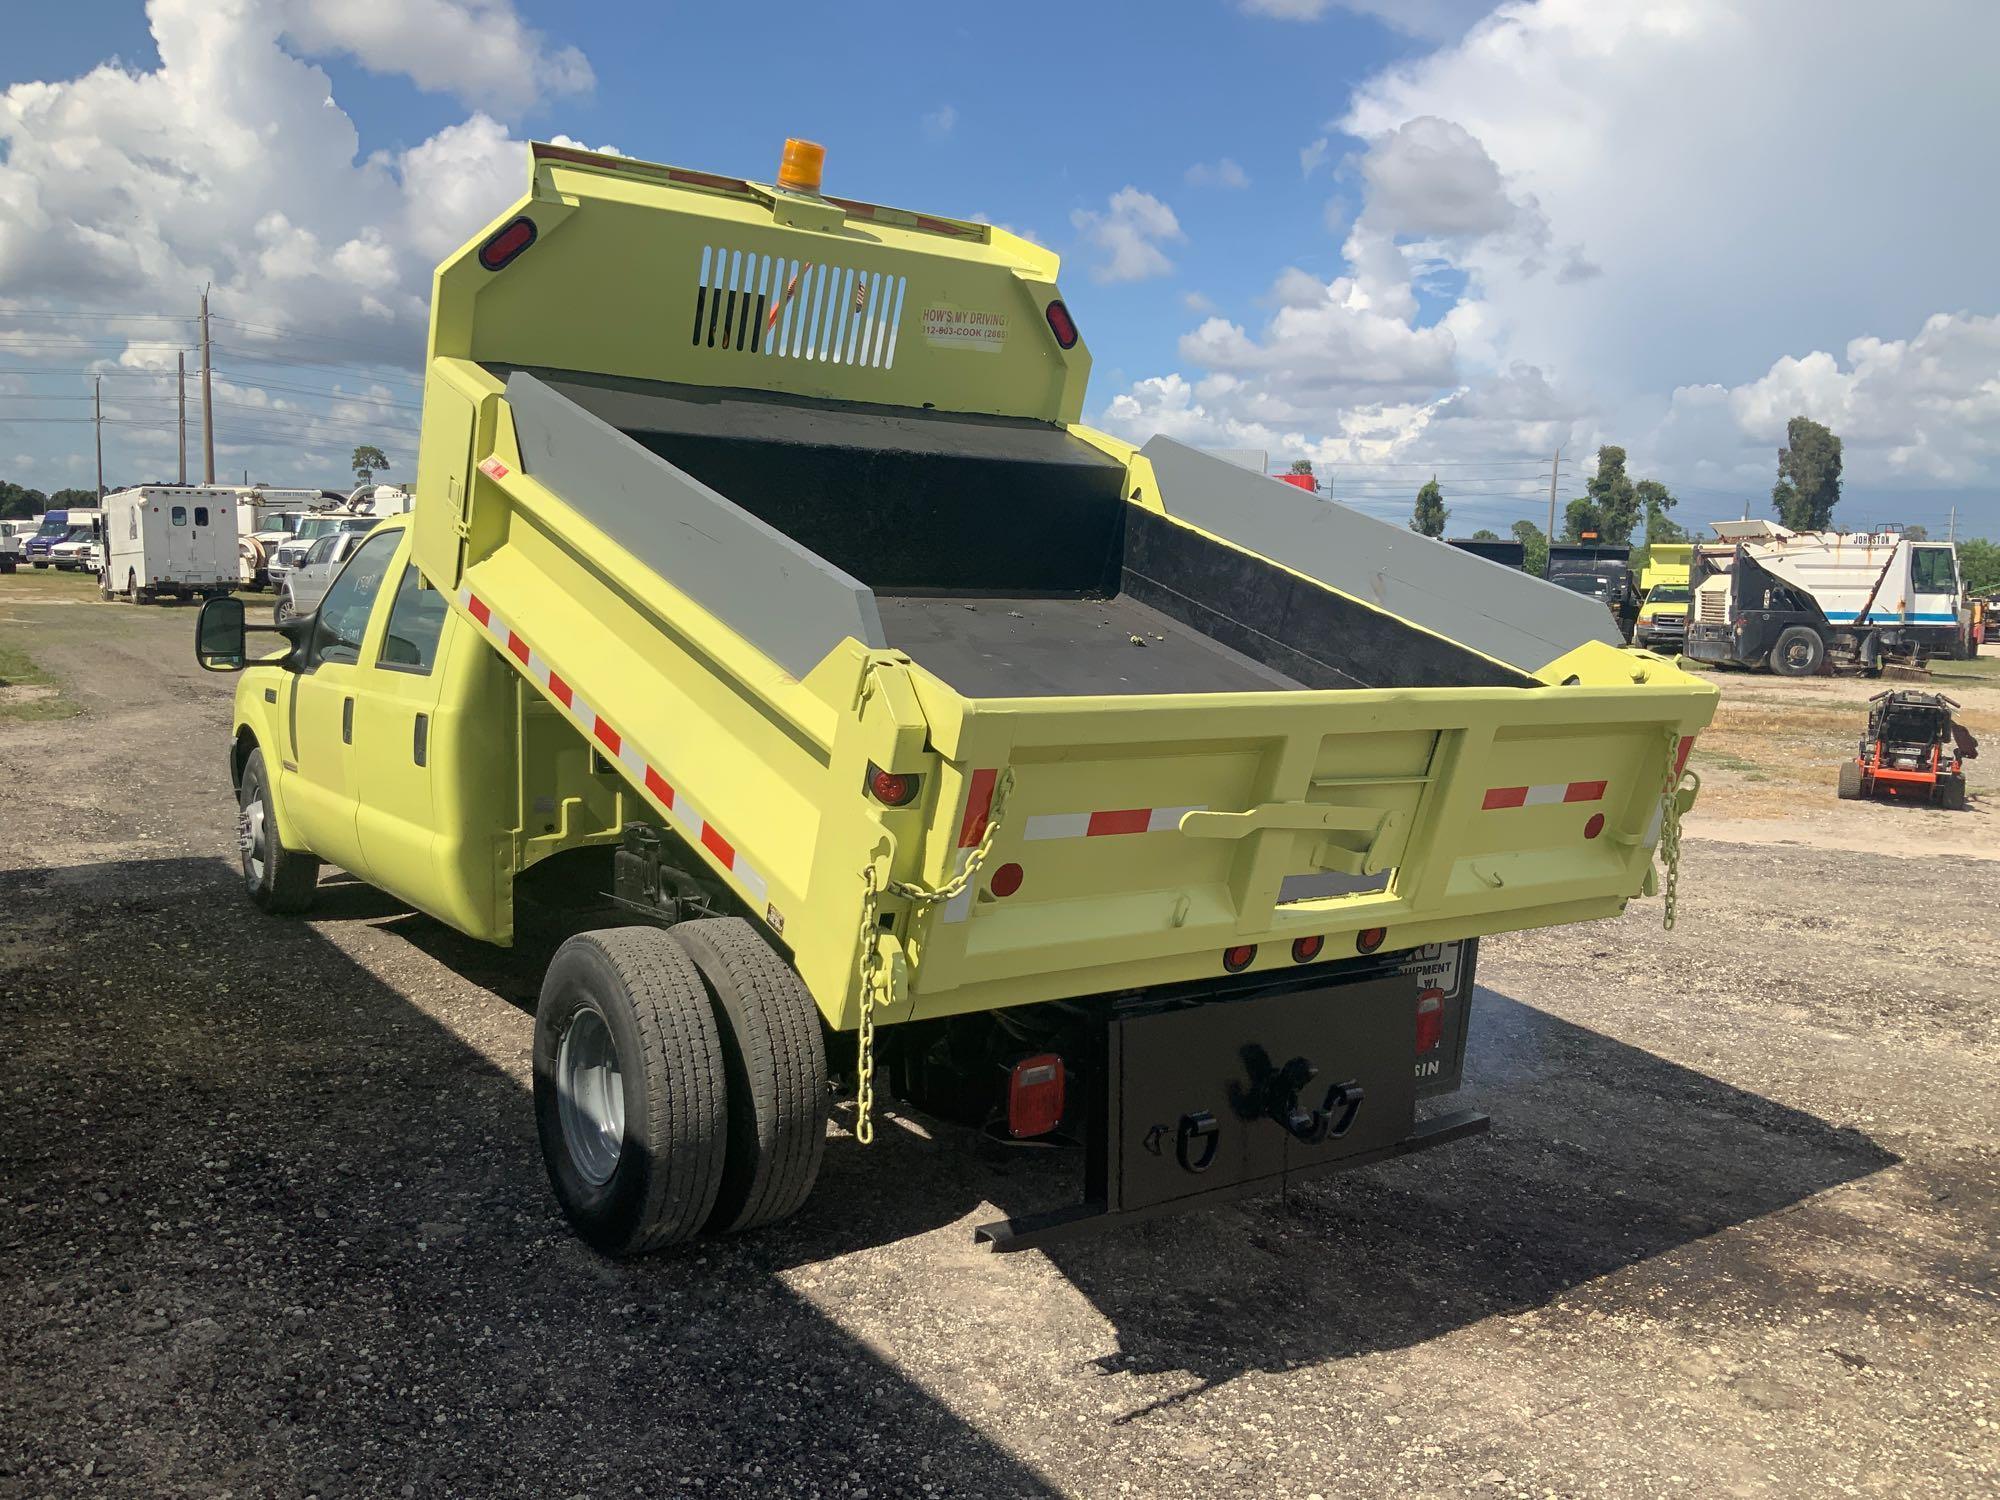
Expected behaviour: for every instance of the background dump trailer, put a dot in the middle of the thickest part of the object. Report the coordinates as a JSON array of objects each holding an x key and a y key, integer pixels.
[
  {"x": 1081, "y": 791},
  {"x": 174, "y": 541},
  {"x": 1799, "y": 601}
]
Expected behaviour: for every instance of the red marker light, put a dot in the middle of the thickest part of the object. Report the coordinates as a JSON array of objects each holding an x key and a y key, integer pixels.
[
  {"x": 1061, "y": 324},
  {"x": 1006, "y": 880},
  {"x": 1594, "y": 827},
  {"x": 507, "y": 242},
  {"x": 1035, "y": 1096},
  {"x": 892, "y": 788},
  {"x": 1239, "y": 958},
  {"x": 1370, "y": 939},
  {"x": 1430, "y": 1020},
  {"x": 1306, "y": 949}
]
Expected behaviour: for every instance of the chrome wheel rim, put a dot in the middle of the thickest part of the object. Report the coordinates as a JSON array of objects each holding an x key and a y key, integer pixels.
[
  {"x": 250, "y": 835},
  {"x": 590, "y": 1096}
]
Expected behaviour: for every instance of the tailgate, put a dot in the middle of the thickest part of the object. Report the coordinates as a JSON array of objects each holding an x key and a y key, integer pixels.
[{"x": 1150, "y": 835}]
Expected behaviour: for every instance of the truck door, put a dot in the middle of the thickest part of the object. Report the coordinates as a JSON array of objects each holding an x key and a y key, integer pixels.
[
  {"x": 320, "y": 792},
  {"x": 1933, "y": 585},
  {"x": 393, "y": 725}
]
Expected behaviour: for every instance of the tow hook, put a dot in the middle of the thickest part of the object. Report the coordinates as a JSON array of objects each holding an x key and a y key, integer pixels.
[
  {"x": 1200, "y": 1126},
  {"x": 1275, "y": 1095}
]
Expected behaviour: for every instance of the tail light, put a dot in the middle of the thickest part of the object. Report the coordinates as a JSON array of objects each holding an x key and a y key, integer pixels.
[
  {"x": 1239, "y": 958},
  {"x": 892, "y": 788},
  {"x": 508, "y": 241},
  {"x": 1430, "y": 1020},
  {"x": 1306, "y": 949},
  {"x": 1369, "y": 939},
  {"x": 1061, "y": 324},
  {"x": 1035, "y": 1096}
]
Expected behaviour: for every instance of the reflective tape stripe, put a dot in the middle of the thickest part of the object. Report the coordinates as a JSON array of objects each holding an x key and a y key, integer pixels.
[
  {"x": 1109, "y": 823},
  {"x": 1543, "y": 796},
  {"x": 673, "y": 800}
]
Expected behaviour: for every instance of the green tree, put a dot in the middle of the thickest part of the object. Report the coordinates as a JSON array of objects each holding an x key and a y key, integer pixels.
[
  {"x": 1916, "y": 534},
  {"x": 1301, "y": 466},
  {"x": 72, "y": 499},
  {"x": 368, "y": 462},
  {"x": 18, "y": 500},
  {"x": 1808, "y": 486},
  {"x": 1534, "y": 546},
  {"x": 1609, "y": 505},
  {"x": 1655, "y": 500},
  {"x": 1486, "y": 534},
  {"x": 1979, "y": 562},
  {"x": 1429, "y": 518}
]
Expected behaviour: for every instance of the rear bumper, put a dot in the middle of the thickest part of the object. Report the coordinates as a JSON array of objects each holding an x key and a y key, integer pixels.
[{"x": 1089, "y": 1218}]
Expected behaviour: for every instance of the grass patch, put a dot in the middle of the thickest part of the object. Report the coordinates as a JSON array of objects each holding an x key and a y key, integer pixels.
[
  {"x": 26, "y": 691},
  {"x": 1982, "y": 668}
]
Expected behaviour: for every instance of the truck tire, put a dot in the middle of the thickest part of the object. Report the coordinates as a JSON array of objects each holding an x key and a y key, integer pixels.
[
  {"x": 280, "y": 880},
  {"x": 1951, "y": 793},
  {"x": 776, "y": 1058},
  {"x": 1799, "y": 652},
  {"x": 630, "y": 1090},
  {"x": 1850, "y": 780},
  {"x": 133, "y": 593}
]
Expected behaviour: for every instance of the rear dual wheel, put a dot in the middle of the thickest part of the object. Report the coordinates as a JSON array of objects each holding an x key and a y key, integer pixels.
[
  {"x": 1799, "y": 652},
  {"x": 680, "y": 1084}
]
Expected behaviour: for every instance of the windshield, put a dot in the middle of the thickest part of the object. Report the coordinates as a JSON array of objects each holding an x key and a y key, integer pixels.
[
  {"x": 316, "y": 526},
  {"x": 54, "y": 528},
  {"x": 1668, "y": 593},
  {"x": 284, "y": 520},
  {"x": 78, "y": 534}
]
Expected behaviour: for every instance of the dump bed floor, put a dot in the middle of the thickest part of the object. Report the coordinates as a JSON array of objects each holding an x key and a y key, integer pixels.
[{"x": 989, "y": 647}]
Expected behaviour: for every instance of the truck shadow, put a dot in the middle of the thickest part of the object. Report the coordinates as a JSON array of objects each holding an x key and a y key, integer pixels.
[
  {"x": 352, "y": 1170},
  {"x": 283, "y": 1229},
  {"x": 1602, "y": 1155}
]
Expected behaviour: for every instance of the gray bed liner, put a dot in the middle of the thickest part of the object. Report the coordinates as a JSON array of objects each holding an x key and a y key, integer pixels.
[{"x": 1048, "y": 648}]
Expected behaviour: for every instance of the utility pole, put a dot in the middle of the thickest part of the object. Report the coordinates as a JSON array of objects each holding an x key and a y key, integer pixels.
[
  {"x": 207, "y": 402},
  {"x": 1555, "y": 473},
  {"x": 97, "y": 422},
  {"x": 1951, "y": 526},
  {"x": 181, "y": 387}
]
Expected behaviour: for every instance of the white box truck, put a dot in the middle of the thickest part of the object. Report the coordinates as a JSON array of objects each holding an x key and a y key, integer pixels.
[{"x": 177, "y": 540}]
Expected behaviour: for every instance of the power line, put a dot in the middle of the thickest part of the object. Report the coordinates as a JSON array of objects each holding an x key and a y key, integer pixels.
[{"x": 306, "y": 364}]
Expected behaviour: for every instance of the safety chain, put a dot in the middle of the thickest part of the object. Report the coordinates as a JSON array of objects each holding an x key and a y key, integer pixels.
[
  {"x": 1670, "y": 829},
  {"x": 873, "y": 985}
]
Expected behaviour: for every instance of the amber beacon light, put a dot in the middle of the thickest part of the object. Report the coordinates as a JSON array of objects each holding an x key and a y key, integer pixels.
[{"x": 800, "y": 167}]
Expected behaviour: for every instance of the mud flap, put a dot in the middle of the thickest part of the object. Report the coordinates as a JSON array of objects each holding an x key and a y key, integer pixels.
[{"x": 1206, "y": 1101}]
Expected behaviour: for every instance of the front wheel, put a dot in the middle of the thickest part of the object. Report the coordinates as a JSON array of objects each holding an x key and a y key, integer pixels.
[
  {"x": 280, "y": 880},
  {"x": 1951, "y": 793},
  {"x": 281, "y": 611},
  {"x": 1850, "y": 780},
  {"x": 1799, "y": 652},
  {"x": 630, "y": 1090}
]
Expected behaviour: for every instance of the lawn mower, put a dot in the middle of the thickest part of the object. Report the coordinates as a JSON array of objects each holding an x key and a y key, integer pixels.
[{"x": 1914, "y": 748}]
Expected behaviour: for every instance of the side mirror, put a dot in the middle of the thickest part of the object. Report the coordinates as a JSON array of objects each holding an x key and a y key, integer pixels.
[{"x": 219, "y": 635}]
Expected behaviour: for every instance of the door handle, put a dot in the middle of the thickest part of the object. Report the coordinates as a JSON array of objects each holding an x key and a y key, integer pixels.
[
  {"x": 420, "y": 748},
  {"x": 347, "y": 721}
]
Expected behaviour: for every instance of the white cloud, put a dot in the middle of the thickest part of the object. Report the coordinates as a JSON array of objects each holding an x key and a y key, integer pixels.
[
  {"x": 1129, "y": 234},
  {"x": 1426, "y": 18},
  {"x": 1222, "y": 174},
  {"x": 941, "y": 121},
  {"x": 1543, "y": 252},
  {"x": 477, "y": 50}
]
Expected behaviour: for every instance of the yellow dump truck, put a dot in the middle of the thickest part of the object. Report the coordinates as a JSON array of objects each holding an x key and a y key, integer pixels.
[
  {"x": 1660, "y": 575},
  {"x": 762, "y": 579}
]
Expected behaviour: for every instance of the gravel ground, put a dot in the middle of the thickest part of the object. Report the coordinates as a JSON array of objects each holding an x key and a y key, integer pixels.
[{"x": 273, "y": 1222}]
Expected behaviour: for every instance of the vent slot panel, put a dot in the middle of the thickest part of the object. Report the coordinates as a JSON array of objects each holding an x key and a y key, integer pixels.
[{"x": 749, "y": 303}]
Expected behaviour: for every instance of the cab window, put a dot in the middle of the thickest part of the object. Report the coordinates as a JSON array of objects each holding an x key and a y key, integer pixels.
[
  {"x": 1931, "y": 571},
  {"x": 416, "y": 620},
  {"x": 201, "y": 515},
  {"x": 180, "y": 515},
  {"x": 343, "y": 614}
]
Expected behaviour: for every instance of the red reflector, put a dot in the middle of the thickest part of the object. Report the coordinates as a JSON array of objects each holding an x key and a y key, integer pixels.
[
  {"x": 1594, "y": 827},
  {"x": 1370, "y": 938},
  {"x": 891, "y": 788},
  {"x": 1239, "y": 958},
  {"x": 507, "y": 242},
  {"x": 1035, "y": 1096},
  {"x": 1306, "y": 949},
  {"x": 1006, "y": 880},
  {"x": 1061, "y": 324},
  {"x": 1430, "y": 1020}
]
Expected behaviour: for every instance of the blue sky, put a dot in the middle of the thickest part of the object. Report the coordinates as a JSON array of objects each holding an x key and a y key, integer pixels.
[{"x": 1286, "y": 225}]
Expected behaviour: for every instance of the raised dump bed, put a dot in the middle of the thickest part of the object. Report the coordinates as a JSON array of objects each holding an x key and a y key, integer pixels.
[{"x": 1131, "y": 797}]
